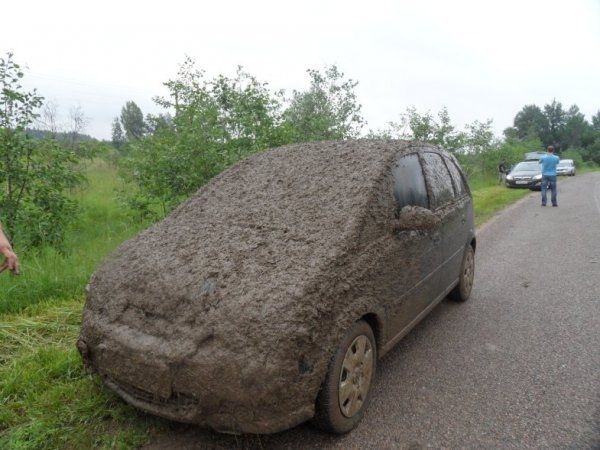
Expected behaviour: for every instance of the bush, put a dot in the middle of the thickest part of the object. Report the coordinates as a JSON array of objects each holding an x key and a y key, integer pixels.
[{"x": 35, "y": 174}]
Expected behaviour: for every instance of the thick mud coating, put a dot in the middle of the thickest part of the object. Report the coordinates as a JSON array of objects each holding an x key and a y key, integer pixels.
[{"x": 227, "y": 312}]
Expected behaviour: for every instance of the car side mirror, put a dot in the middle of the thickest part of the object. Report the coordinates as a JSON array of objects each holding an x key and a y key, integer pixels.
[{"x": 416, "y": 218}]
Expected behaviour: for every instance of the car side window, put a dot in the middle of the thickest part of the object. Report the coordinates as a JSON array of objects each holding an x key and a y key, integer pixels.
[
  {"x": 438, "y": 178},
  {"x": 409, "y": 183},
  {"x": 459, "y": 184}
]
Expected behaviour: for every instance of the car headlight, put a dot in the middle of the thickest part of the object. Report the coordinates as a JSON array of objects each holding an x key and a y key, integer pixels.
[
  {"x": 509, "y": 177},
  {"x": 537, "y": 177}
]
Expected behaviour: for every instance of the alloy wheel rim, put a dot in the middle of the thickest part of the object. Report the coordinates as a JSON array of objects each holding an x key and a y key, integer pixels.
[{"x": 355, "y": 376}]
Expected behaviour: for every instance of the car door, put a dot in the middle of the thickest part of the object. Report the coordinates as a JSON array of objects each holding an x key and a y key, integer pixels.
[
  {"x": 449, "y": 203},
  {"x": 415, "y": 252}
]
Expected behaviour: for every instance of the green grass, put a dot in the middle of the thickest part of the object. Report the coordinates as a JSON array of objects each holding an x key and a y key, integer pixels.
[
  {"x": 46, "y": 400},
  {"x": 488, "y": 200},
  {"x": 101, "y": 226}
]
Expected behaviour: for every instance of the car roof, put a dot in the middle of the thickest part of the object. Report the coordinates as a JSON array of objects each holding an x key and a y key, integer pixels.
[
  {"x": 308, "y": 186},
  {"x": 528, "y": 162}
]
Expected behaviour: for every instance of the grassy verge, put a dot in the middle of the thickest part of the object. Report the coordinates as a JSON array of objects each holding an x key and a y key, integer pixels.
[
  {"x": 102, "y": 225},
  {"x": 488, "y": 200},
  {"x": 46, "y": 401}
]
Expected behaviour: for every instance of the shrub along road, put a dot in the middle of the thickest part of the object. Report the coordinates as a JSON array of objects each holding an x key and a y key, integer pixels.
[{"x": 517, "y": 366}]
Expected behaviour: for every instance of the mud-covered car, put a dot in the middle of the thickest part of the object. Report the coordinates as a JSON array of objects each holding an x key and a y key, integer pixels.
[
  {"x": 526, "y": 174},
  {"x": 266, "y": 299}
]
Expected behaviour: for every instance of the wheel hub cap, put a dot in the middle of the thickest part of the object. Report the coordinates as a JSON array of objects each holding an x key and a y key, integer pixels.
[{"x": 355, "y": 376}]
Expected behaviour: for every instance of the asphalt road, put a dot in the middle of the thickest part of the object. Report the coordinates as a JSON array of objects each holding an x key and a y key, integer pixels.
[{"x": 517, "y": 366}]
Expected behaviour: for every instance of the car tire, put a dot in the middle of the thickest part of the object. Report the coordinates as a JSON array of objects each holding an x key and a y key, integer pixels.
[
  {"x": 345, "y": 392},
  {"x": 462, "y": 290}
]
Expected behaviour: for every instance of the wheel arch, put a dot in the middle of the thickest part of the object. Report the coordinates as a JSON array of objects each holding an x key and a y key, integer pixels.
[{"x": 376, "y": 322}]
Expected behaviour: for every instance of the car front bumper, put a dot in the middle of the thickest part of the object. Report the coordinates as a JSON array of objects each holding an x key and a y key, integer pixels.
[
  {"x": 524, "y": 183},
  {"x": 236, "y": 394}
]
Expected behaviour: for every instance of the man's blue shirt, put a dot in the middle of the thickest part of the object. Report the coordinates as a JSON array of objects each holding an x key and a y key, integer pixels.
[{"x": 549, "y": 163}]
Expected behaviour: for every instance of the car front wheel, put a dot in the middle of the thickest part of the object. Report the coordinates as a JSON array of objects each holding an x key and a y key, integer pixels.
[
  {"x": 462, "y": 291},
  {"x": 344, "y": 394}
]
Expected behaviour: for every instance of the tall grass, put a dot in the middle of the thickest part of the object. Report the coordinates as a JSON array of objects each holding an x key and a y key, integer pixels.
[
  {"x": 490, "y": 199},
  {"x": 46, "y": 400},
  {"x": 101, "y": 226}
]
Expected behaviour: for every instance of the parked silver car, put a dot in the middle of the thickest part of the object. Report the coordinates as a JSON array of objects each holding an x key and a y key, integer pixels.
[{"x": 566, "y": 167}]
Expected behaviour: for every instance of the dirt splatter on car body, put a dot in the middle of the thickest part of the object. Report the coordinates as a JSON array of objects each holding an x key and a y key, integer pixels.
[{"x": 226, "y": 313}]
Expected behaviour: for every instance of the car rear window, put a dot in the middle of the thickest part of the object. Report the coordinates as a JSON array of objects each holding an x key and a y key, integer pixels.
[
  {"x": 529, "y": 165},
  {"x": 459, "y": 184},
  {"x": 439, "y": 179}
]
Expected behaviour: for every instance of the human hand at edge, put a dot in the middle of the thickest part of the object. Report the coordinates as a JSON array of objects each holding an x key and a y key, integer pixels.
[{"x": 11, "y": 262}]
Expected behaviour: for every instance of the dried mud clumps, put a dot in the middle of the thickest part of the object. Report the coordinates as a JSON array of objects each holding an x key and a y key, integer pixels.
[
  {"x": 225, "y": 313},
  {"x": 416, "y": 218}
]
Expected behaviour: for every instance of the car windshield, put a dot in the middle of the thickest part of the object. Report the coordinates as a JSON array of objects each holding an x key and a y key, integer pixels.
[
  {"x": 527, "y": 166},
  {"x": 565, "y": 163}
]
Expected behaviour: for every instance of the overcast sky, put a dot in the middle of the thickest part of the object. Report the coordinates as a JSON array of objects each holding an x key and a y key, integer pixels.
[{"x": 481, "y": 59}]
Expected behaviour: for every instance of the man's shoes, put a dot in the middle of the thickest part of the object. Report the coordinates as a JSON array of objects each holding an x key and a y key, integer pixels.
[
  {"x": 554, "y": 205},
  {"x": 543, "y": 204}
]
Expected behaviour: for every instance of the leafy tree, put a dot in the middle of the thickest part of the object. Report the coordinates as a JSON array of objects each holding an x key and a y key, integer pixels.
[
  {"x": 577, "y": 132},
  {"x": 34, "y": 174},
  {"x": 530, "y": 122},
  {"x": 592, "y": 152},
  {"x": 158, "y": 122},
  {"x": 132, "y": 121},
  {"x": 479, "y": 149},
  {"x": 557, "y": 119},
  {"x": 327, "y": 110},
  {"x": 77, "y": 123},
  {"x": 553, "y": 125},
  {"x": 479, "y": 137},
  {"x": 425, "y": 127},
  {"x": 118, "y": 137},
  {"x": 247, "y": 112},
  {"x": 596, "y": 121},
  {"x": 216, "y": 121}
]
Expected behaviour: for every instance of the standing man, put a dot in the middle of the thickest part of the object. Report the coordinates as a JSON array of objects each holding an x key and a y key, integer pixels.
[
  {"x": 549, "y": 162},
  {"x": 11, "y": 262},
  {"x": 502, "y": 171}
]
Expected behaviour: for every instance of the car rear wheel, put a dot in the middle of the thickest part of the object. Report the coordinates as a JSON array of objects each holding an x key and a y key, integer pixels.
[
  {"x": 345, "y": 392},
  {"x": 462, "y": 291}
]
